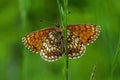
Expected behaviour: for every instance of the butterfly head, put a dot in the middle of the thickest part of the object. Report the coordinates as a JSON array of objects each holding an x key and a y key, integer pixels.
[{"x": 57, "y": 25}]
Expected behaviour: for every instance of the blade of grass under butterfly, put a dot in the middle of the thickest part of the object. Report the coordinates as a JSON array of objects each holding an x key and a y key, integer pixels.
[
  {"x": 115, "y": 59},
  {"x": 93, "y": 72},
  {"x": 63, "y": 4}
]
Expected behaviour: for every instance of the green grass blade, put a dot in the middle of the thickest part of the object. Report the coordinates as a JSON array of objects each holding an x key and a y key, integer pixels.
[
  {"x": 93, "y": 73},
  {"x": 63, "y": 8}
]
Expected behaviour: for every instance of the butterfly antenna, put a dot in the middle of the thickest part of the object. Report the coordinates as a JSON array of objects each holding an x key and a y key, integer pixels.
[
  {"x": 56, "y": 24},
  {"x": 47, "y": 21}
]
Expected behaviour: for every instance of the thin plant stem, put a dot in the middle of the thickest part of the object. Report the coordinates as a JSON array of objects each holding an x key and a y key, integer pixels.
[
  {"x": 115, "y": 58},
  {"x": 65, "y": 33},
  {"x": 93, "y": 73},
  {"x": 63, "y": 8},
  {"x": 23, "y": 7},
  {"x": 117, "y": 52}
]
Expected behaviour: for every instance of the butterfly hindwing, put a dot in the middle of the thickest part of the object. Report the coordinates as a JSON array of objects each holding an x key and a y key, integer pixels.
[
  {"x": 53, "y": 46},
  {"x": 75, "y": 47}
]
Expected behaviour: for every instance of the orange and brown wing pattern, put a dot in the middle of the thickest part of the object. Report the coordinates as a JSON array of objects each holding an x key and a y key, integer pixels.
[
  {"x": 47, "y": 42},
  {"x": 75, "y": 47},
  {"x": 33, "y": 41},
  {"x": 87, "y": 33},
  {"x": 78, "y": 37},
  {"x": 53, "y": 46}
]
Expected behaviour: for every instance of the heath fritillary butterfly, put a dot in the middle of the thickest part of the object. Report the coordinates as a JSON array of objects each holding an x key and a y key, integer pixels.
[{"x": 50, "y": 44}]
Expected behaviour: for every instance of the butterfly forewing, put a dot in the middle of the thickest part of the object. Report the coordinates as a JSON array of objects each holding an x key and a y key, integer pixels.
[
  {"x": 33, "y": 41},
  {"x": 87, "y": 33}
]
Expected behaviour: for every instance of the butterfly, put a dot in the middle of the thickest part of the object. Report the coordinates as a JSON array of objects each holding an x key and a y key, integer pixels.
[{"x": 50, "y": 42}]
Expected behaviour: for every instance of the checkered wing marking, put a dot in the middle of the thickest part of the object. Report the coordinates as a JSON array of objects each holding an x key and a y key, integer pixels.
[
  {"x": 78, "y": 37},
  {"x": 53, "y": 46},
  {"x": 75, "y": 47},
  {"x": 46, "y": 42},
  {"x": 87, "y": 33},
  {"x": 33, "y": 41}
]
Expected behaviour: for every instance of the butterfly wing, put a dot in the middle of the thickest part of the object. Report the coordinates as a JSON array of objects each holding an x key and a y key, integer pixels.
[
  {"x": 79, "y": 36},
  {"x": 87, "y": 33},
  {"x": 33, "y": 41},
  {"x": 46, "y": 42},
  {"x": 53, "y": 46},
  {"x": 50, "y": 43}
]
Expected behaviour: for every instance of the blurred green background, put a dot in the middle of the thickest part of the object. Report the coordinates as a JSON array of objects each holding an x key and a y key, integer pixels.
[{"x": 19, "y": 17}]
